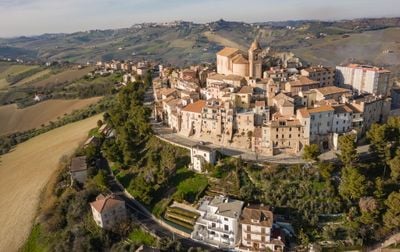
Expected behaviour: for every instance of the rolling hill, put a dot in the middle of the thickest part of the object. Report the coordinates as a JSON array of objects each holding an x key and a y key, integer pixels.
[
  {"x": 13, "y": 119},
  {"x": 184, "y": 43}
]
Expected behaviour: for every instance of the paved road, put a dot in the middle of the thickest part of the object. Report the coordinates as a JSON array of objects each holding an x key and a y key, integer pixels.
[
  {"x": 144, "y": 218},
  {"x": 167, "y": 134}
]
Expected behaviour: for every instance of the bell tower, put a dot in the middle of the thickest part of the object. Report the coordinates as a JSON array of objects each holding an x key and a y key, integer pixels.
[{"x": 255, "y": 61}]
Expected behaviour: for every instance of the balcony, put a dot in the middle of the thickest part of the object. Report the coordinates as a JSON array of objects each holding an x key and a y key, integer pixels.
[
  {"x": 220, "y": 230},
  {"x": 256, "y": 232}
]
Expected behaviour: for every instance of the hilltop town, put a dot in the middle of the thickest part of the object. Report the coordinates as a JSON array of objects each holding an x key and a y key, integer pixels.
[{"x": 255, "y": 150}]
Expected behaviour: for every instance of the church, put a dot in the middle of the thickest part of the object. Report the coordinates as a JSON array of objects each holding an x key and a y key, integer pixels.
[{"x": 236, "y": 62}]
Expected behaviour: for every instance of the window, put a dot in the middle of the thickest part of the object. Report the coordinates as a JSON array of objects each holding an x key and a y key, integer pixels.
[
  {"x": 225, "y": 219},
  {"x": 283, "y": 136},
  {"x": 213, "y": 225},
  {"x": 277, "y": 136},
  {"x": 290, "y": 135},
  {"x": 226, "y": 227},
  {"x": 248, "y": 227}
]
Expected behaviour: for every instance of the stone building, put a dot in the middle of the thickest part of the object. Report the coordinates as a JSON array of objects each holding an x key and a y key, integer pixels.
[
  {"x": 324, "y": 75},
  {"x": 234, "y": 61}
]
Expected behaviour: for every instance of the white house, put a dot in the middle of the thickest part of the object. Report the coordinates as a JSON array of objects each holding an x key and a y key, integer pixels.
[
  {"x": 108, "y": 210},
  {"x": 201, "y": 154},
  {"x": 218, "y": 223}
]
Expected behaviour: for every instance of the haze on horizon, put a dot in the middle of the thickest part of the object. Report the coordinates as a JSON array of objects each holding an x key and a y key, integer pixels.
[{"x": 33, "y": 17}]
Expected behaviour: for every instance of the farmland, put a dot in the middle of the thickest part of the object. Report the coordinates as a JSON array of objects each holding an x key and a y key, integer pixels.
[
  {"x": 8, "y": 69},
  {"x": 14, "y": 119},
  {"x": 66, "y": 76},
  {"x": 25, "y": 171}
]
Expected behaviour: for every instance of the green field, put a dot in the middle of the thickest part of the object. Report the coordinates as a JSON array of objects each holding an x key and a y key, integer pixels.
[{"x": 10, "y": 69}]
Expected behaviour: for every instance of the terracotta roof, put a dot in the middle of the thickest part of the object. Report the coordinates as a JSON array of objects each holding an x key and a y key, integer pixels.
[
  {"x": 306, "y": 112},
  {"x": 342, "y": 109},
  {"x": 260, "y": 103},
  {"x": 195, "y": 107},
  {"x": 233, "y": 77},
  {"x": 215, "y": 76},
  {"x": 78, "y": 164},
  {"x": 355, "y": 109},
  {"x": 332, "y": 90},
  {"x": 106, "y": 203},
  {"x": 246, "y": 90},
  {"x": 167, "y": 91},
  {"x": 257, "y": 215},
  {"x": 318, "y": 69},
  {"x": 239, "y": 59},
  {"x": 227, "y": 51},
  {"x": 302, "y": 81}
]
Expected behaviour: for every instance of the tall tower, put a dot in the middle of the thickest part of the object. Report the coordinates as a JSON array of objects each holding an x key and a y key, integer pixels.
[{"x": 255, "y": 61}]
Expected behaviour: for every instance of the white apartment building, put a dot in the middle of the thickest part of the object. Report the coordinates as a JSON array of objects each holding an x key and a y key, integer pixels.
[
  {"x": 364, "y": 79},
  {"x": 218, "y": 223}
]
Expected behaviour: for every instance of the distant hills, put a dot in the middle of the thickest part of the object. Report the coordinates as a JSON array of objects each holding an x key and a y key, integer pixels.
[{"x": 183, "y": 43}]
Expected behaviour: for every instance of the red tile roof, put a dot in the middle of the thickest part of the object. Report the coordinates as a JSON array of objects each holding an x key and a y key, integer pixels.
[
  {"x": 105, "y": 203},
  {"x": 195, "y": 107}
]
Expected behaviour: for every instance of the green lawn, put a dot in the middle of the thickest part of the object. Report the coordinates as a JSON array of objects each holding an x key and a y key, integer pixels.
[
  {"x": 32, "y": 244},
  {"x": 139, "y": 237},
  {"x": 191, "y": 188}
]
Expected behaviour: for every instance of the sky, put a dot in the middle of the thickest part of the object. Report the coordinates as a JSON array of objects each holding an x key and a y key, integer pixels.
[{"x": 33, "y": 17}]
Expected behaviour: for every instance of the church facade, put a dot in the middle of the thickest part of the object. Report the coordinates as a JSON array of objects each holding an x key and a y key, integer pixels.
[{"x": 236, "y": 62}]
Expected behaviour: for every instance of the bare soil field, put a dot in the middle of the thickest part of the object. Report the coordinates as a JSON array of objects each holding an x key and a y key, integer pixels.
[
  {"x": 66, "y": 76},
  {"x": 13, "y": 119},
  {"x": 25, "y": 171}
]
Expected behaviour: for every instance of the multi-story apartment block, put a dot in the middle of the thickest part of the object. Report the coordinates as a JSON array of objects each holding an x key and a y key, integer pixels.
[
  {"x": 364, "y": 79},
  {"x": 257, "y": 230},
  {"x": 324, "y": 75},
  {"x": 343, "y": 119},
  {"x": 283, "y": 135},
  {"x": 217, "y": 118},
  {"x": 218, "y": 223}
]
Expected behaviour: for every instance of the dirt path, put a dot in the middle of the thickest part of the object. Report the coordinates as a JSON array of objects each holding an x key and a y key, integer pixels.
[{"x": 25, "y": 171}]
